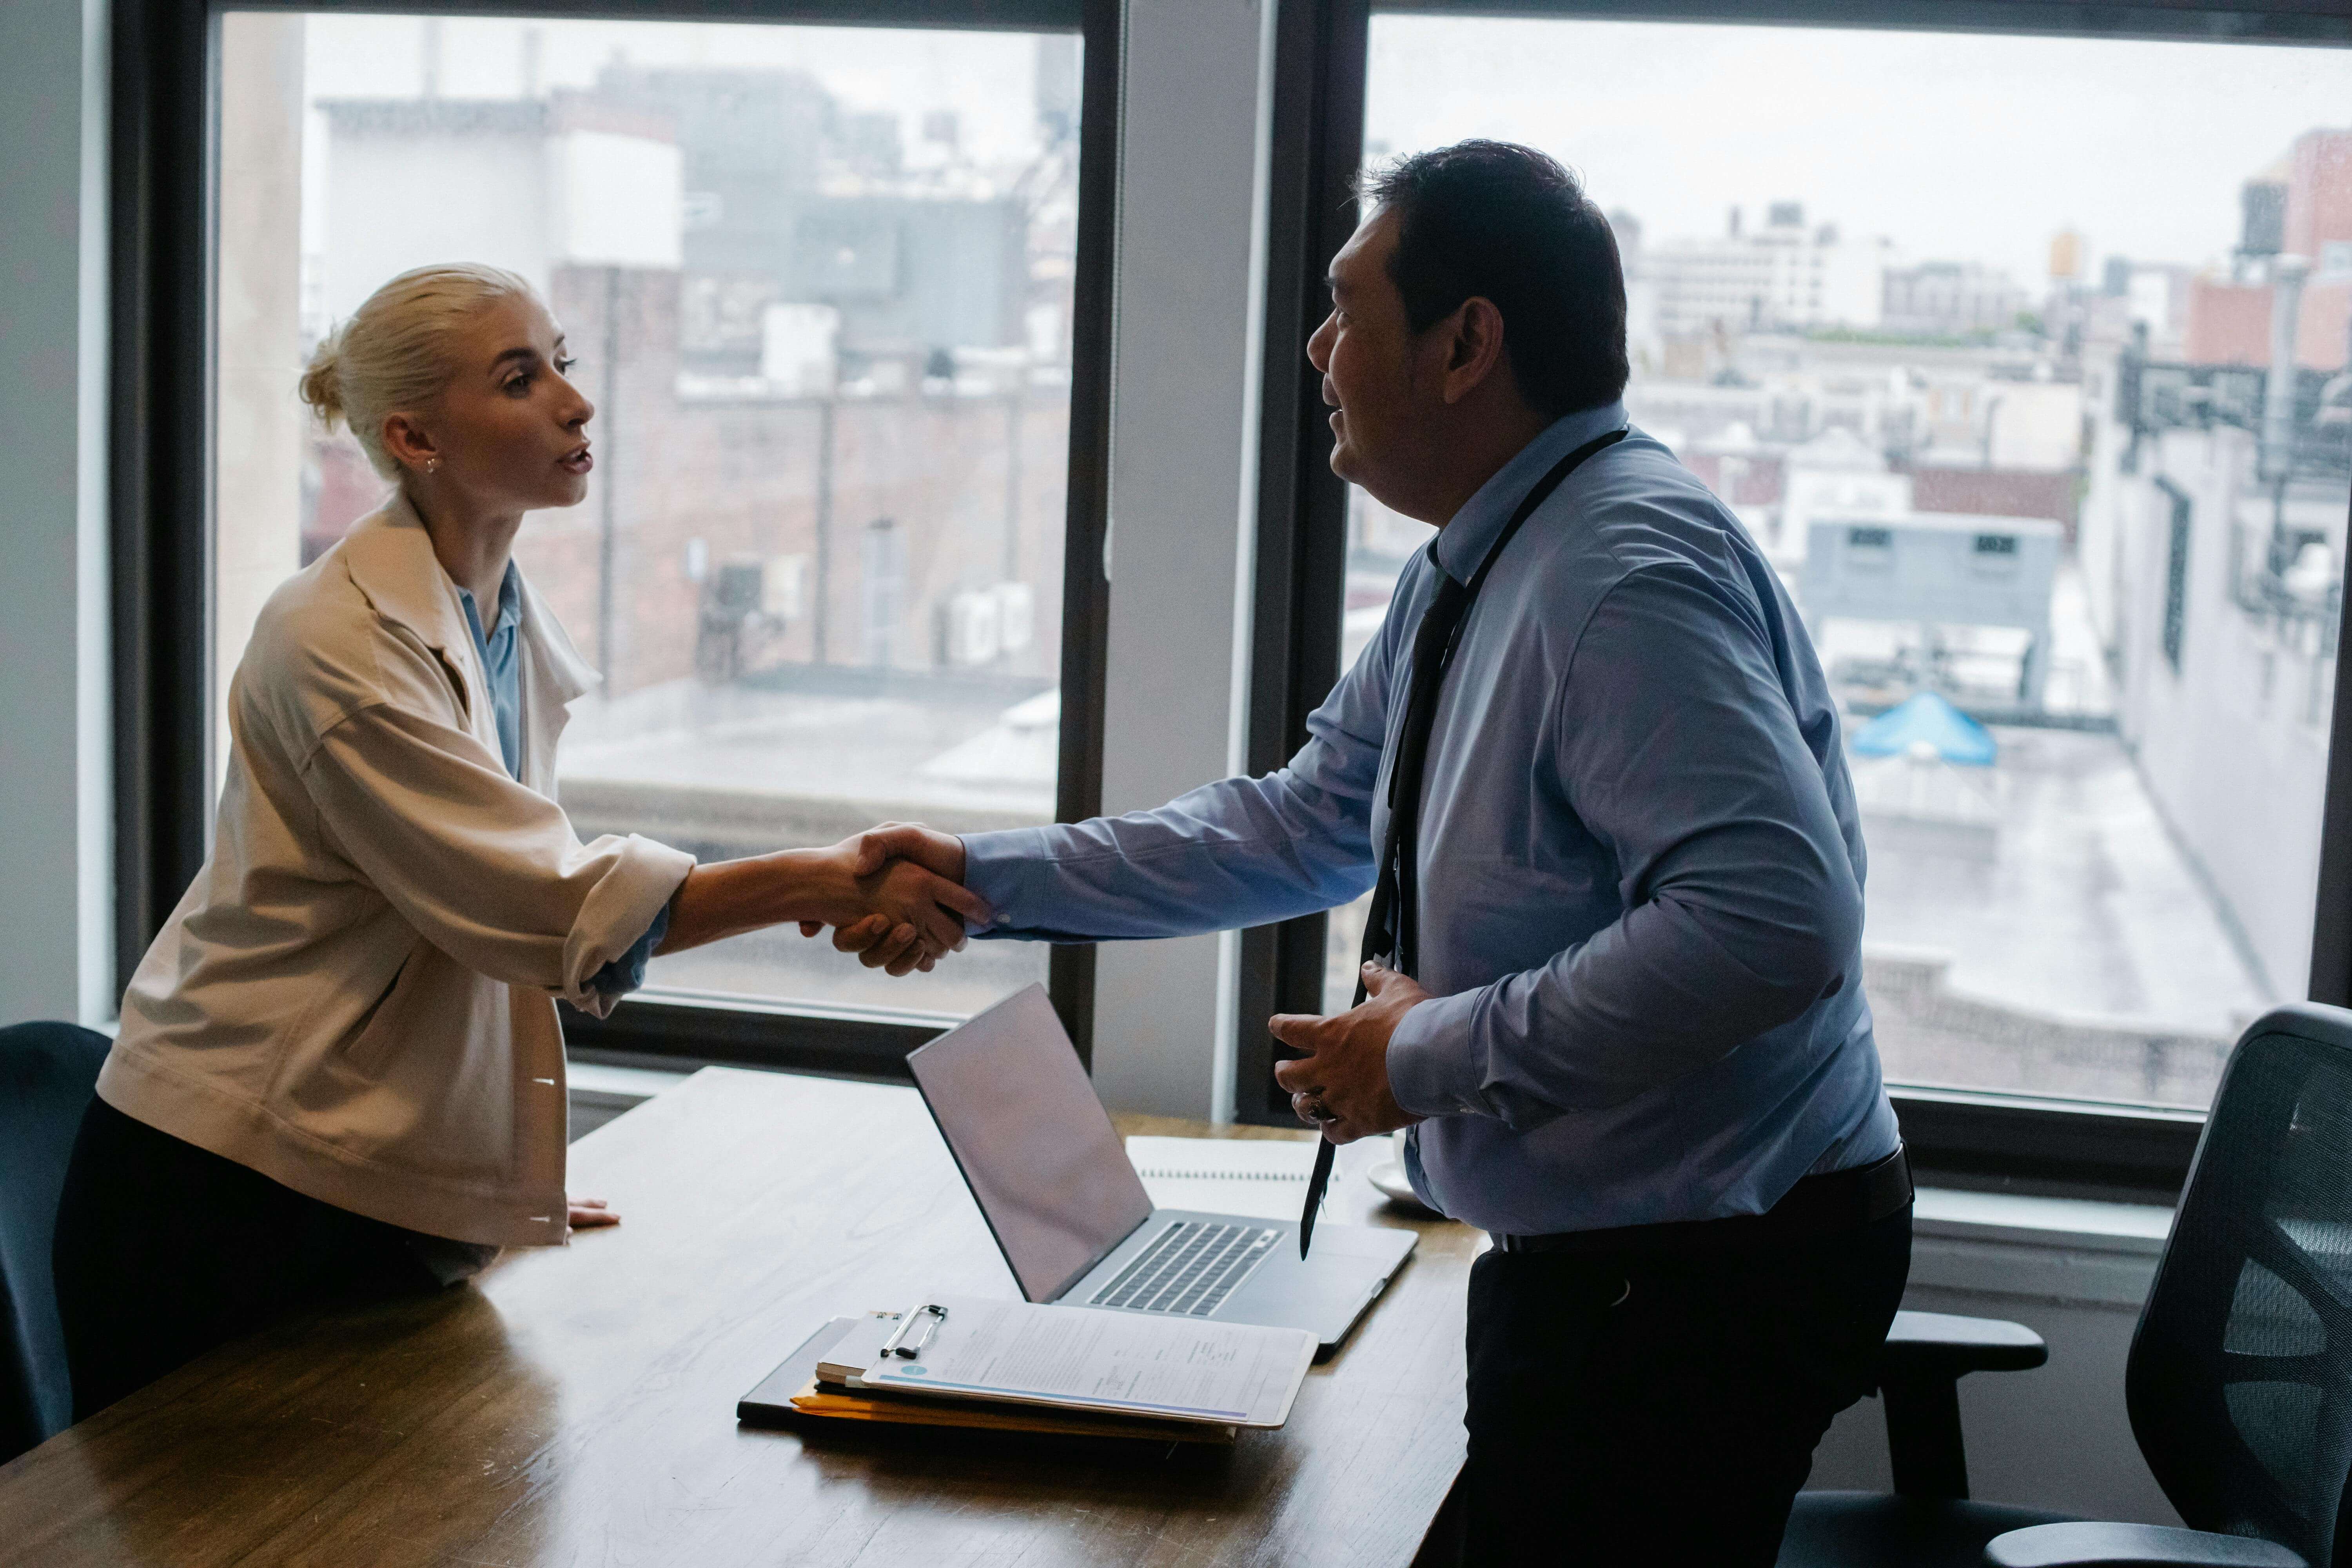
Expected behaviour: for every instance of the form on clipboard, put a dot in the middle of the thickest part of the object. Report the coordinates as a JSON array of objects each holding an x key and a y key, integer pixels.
[{"x": 1176, "y": 1369}]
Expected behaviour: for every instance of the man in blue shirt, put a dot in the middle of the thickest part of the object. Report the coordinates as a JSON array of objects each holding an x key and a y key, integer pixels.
[{"x": 1634, "y": 1045}]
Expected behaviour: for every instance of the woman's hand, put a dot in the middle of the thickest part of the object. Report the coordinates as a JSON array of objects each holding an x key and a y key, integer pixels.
[
  {"x": 880, "y": 942},
  {"x": 894, "y": 914},
  {"x": 910, "y": 896},
  {"x": 913, "y": 866},
  {"x": 588, "y": 1213}
]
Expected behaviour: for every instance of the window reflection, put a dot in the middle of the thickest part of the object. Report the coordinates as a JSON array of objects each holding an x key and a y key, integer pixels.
[
  {"x": 819, "y": 285},
  {"x": 2038, "y": 399}
]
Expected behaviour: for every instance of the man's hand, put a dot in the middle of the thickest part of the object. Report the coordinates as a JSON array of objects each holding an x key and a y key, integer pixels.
[
  {"x": 1341, "y": 1084},
  {"x": 941, "y": 854}
]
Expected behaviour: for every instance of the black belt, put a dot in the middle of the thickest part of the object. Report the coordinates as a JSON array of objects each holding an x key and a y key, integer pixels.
[{"x": 1815, "y": 1206}]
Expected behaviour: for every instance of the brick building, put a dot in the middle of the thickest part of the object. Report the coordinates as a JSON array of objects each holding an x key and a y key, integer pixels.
[
  {"x": 2300, "y": 209},
  {"x": 687, "y": 486}
]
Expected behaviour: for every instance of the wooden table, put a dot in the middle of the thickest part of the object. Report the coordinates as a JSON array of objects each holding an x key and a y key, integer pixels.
[{"x": 577, "y": 1406}]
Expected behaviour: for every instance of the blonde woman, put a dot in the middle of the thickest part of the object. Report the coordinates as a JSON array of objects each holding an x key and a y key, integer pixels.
[{"x": 341, "y": 1072}]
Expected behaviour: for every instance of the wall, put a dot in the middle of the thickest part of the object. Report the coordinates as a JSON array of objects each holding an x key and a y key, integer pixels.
[
  {"x": 56, "y": 870},
  {"x": 493, "y": 191},
  {"x": 1181, "y": 422},
  {"x": 2233, "y": 742}
]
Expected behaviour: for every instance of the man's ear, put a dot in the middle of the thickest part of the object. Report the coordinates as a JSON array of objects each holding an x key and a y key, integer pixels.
[{"x": 1474, "y": 346}]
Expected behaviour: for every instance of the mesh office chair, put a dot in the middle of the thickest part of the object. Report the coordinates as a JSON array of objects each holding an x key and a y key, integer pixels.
[
  {"x": 47, "y": 1073},
  {"x": 2240, "y": 1382}
]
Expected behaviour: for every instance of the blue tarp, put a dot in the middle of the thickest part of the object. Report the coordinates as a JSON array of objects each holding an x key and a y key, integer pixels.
[{"x": 1927, "y": 717}]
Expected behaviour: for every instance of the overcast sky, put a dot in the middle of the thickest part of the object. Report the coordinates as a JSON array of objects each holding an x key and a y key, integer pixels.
[
  {"x": 987, "y": 78},
  {"x": 1956, "y": 146}
]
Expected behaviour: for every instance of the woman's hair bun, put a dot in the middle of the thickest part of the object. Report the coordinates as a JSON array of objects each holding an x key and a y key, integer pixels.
[
  {"x": 321, "y": 385},
  {"x": 397, "y": 350}
]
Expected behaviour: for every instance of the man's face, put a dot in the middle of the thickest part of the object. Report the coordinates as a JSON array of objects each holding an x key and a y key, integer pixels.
[{"x": 1365, "y": 352}]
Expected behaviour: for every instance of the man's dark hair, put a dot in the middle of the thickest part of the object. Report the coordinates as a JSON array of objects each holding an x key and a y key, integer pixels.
[{"x": 1508, "y": 224}]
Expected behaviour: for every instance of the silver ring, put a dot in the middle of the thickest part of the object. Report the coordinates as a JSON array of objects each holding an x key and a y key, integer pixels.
[{"x": 1318, "y": 1112}]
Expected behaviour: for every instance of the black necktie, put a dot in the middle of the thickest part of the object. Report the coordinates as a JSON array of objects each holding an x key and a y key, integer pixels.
[{"x": 1389, "y": 932}]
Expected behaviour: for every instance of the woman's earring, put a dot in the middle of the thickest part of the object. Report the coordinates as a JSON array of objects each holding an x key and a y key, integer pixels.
[{"x": 432, "y": 465}]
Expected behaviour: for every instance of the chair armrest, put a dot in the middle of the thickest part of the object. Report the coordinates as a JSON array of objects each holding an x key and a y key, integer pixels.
[
  {"x": 2131, "y": 1546},
  {"x": 1937, "y": 1344},
  {"x": 1919, "y": 1371}
]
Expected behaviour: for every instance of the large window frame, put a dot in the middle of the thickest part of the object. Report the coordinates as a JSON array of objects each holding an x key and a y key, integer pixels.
[
  {"x": 2014, "y": 1141},
  {"x": 163, "y": 206}
]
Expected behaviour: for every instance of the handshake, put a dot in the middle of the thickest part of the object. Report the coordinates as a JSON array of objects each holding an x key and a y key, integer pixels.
[{"x": 894, "y": 895}]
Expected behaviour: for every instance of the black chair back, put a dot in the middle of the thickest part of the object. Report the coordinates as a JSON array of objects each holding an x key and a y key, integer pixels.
[
  {"x": 2240, "y": 1382},
  {"x": 48, "y": 1072}
]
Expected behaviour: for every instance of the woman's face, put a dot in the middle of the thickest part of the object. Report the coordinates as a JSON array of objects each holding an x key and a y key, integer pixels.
[{"x": 509, "y": 431}]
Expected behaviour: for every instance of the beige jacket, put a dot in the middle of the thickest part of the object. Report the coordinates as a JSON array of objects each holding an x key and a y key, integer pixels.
[{"x": 356, "y": 996}]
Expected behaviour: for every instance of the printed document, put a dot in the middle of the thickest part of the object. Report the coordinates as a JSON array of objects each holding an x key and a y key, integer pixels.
[{"x": 1184, "y": 1369}]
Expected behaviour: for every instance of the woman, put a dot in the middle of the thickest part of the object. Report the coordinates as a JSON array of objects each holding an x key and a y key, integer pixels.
[{"x": 339, "y": 1072}]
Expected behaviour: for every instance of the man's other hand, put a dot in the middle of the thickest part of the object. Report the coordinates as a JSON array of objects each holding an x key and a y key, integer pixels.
[{"x": 1344, "y": 1074}]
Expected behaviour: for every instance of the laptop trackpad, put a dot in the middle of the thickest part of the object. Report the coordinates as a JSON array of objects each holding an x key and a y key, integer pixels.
[{"x": 1325, "y": 1294}]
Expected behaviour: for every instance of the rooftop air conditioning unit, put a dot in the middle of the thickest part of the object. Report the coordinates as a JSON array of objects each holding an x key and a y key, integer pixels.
[{"x": 975, "y": 626}]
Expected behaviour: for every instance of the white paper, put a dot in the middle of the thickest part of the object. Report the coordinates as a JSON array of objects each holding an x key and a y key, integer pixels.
[
  {"x": 857, "y": 1349},
  {"x": 1262, "y": 1178},
  {"x": 1184, "y": 1369}
]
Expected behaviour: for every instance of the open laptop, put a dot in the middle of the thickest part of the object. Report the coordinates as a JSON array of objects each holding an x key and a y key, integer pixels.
[{"x": 1072, "y": 1218}]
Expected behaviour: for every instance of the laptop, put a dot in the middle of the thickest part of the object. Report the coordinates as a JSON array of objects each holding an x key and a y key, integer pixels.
[{"x": 1072, "y": 1218}]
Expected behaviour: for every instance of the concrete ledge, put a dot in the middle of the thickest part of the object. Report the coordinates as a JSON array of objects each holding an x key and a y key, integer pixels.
[{"x": 2061, "y": 1251}]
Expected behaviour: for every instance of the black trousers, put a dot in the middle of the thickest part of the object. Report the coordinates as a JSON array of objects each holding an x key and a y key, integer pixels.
[
  {"x": 165, "y": 1250},
  {"x": 1663, "y": 1409}
]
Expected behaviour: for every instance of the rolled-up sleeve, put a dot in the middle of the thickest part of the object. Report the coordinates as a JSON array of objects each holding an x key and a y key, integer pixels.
[
  {"x": 1239, "y": 852},
  {"x": 487, "y": 870},
  {"x": 1742, "y": 904}
]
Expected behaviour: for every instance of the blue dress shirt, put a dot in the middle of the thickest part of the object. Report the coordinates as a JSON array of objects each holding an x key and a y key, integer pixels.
[
  {"x": 502, "y": 668},
  {"x": 1641, "y": 879}
]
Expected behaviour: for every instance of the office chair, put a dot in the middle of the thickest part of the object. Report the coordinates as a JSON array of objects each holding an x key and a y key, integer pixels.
[
  {"x": 48, "y": 1072},
  {"x": 2239, "y": 1380}
]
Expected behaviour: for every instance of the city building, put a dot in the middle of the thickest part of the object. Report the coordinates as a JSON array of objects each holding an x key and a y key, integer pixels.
[
  {"x": 2296, "y": 239},
  {"x": 1834, "y": 474},
  {"x": 529, "y": 185},
  {"x": 1950, "y": 300},
  {"x": 2213, "y": 549},
  {"x": 810, "y": 352},
  {"x": 1784, "y": 275}
]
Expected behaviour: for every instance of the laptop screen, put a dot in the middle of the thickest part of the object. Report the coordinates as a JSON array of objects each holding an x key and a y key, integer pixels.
[{"x": 1035, "y": 1144}]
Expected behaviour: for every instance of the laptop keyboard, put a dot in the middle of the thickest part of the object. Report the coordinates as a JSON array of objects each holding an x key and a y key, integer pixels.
[{"x": 1190, "y": 1269}]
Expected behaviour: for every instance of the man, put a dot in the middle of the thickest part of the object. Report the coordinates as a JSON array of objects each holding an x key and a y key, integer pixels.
[{"x": 1633, "y": 1042}]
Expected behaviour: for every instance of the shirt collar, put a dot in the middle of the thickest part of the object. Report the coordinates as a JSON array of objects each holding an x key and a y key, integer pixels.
[
  {"x": 1470, "y": 533},
  {"x": 510, "y": 606}
]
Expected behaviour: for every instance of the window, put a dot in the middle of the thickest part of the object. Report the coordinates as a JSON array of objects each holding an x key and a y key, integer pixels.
[
  {"x": 1972, "y": 456},
  {"x": 824, "y": 286},
  {"x": 2178, "y": 510}
]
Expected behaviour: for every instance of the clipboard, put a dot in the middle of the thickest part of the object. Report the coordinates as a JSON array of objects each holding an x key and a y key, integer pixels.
[
  {"x": 1081, "y": 1360},
  {"x": 792, "y": 1396}
]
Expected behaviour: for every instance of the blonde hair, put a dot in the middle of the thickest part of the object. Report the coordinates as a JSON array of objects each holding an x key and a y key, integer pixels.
[{"x": 393, "y": 354}]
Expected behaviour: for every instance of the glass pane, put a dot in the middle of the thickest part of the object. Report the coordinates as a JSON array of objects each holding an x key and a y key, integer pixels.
[
  {"x": 818, "y": 280},
  {"x": 2025, "y": 361}
]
